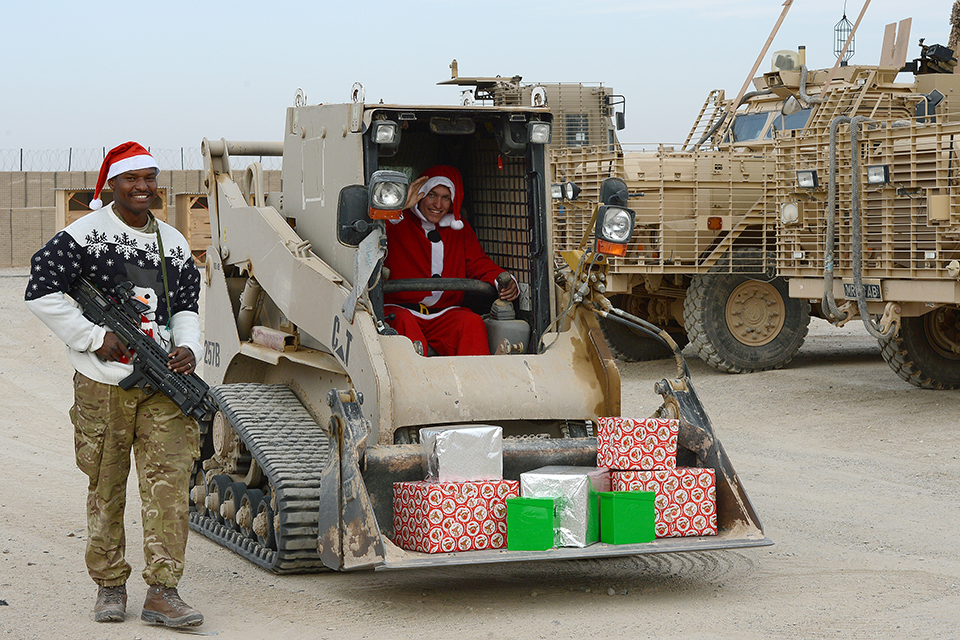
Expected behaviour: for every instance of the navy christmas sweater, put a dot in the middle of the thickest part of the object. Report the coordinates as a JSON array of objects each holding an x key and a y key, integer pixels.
[{"x": 101, "y": 247}]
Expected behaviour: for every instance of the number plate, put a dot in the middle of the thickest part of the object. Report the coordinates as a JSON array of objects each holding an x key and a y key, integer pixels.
[{"x": 871, "y": 291}]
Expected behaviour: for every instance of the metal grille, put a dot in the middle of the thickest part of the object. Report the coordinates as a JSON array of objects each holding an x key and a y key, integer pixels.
[
  {"x": 710, "y": 113},
  {"x": 496, "y": 201},
  {"x": 899, "y": 239},
  {"x": 681, "y": 192},
  {"x": 864, "y": 98}
]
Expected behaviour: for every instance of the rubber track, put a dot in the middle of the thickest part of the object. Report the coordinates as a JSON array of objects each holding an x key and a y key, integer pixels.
[{"x": 292, "y": 451}]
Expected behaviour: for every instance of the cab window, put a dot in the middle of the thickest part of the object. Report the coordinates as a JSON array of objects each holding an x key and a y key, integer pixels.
[{"x": 796, "y": 120}]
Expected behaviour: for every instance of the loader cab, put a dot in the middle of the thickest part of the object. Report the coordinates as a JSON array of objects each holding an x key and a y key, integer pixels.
[{"x": 500, "y": 153}]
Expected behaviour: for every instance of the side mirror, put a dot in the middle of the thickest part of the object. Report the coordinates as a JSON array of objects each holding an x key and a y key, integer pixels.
[
  {"x": 613, "y": 191},
  {"x": 791, "y": 106},
  {"x": 512, "y": 137},
  {"x": 353, "y": 218}
]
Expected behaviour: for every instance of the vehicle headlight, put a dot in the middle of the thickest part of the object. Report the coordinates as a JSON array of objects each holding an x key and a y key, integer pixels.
[
  {"x": 539, "y": 132},
  {"x": 617, "y": 224},
  {"x": 387, "y": 194},
  {"x": 878, "y": 174},
  {"x": 386, "y": 134},
  {"x": 790, "y": 213},
  {"x": 565, "y": 191},
  {"x": 614, "y": 229},
  {"x": 807, "y": 179}
]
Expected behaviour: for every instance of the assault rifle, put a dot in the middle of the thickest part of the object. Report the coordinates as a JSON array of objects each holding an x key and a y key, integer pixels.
[{"x": 121, "y": 314}]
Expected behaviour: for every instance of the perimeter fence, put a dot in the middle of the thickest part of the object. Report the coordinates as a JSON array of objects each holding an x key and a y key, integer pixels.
[{"x": 77, "y": 159}]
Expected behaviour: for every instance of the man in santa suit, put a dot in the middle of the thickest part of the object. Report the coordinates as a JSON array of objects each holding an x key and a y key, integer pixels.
[{"x": 431, "y": 240}]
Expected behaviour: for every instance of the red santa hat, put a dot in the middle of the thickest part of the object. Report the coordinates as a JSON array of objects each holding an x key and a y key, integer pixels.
[
  {"x": 448, "y": 177},
  {"x": 129, "y": 156}
]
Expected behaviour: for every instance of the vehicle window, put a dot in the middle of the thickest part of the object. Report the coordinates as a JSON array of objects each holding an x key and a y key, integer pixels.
[
  {"x": 796, "y": 120},
  {"x": 577, "y": 130},
  {"x": 749, "y": 126}
]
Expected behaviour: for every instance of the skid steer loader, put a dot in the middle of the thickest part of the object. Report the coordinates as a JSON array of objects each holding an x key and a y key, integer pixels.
[{"x": 320, "y": 402}]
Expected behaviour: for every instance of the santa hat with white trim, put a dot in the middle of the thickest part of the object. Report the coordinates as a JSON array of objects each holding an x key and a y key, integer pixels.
[
  {"x": 448, "y": 177},
  {"x": 129, "y": 156}
]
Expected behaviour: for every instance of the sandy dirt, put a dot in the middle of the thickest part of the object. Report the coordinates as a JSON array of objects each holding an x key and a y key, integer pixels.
[{"x": 854, "y": 474}]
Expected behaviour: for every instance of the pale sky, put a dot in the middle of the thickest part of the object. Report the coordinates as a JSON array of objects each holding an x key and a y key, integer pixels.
[{"x": 168, "y": 73}]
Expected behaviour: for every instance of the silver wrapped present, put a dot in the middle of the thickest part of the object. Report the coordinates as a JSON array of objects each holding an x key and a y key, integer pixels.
[
  {"x": 468, "y": 453},
  {"x": 575, "y": 489}
]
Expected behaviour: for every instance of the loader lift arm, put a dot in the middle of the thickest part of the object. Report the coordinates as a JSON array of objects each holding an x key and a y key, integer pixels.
[{"x": 681, "y": 402}]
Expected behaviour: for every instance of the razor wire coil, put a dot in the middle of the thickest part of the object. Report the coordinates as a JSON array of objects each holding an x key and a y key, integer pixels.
[{"x": 77, "y": 159}]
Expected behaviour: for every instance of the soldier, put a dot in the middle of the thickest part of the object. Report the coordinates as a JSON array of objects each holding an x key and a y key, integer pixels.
[{"x": 118, "y": 243}]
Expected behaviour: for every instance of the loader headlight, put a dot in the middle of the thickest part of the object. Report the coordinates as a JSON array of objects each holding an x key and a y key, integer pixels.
[
  {"x": 614, "y": 229},
  {"x": 878, "y": 174},
  {"x": 539, "y": 132},
  {"x": 387, "y": 194},
  {"x": 386, "y": 134},
  {"x": 807, "y": 179}
]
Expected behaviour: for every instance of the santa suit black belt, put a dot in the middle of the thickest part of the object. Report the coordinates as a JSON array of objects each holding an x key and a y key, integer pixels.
[{"x": 419, "y": 307}]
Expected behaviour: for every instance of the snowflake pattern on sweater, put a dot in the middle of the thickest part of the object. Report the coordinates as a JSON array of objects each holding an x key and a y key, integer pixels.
[{"x": 101, "y": 248}]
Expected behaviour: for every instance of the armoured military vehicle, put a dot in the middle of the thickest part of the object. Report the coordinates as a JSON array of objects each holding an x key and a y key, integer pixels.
[
  {"x": 715, "y": 262},
  {"x": 879, "y": 238},
  {"x": 320, "y": 402}
]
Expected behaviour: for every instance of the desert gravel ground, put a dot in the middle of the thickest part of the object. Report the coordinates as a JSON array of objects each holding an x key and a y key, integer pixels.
[{"x": 853, "y": 472}]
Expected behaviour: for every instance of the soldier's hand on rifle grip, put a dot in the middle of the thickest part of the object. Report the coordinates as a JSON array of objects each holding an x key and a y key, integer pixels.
[
  {"x": 113, "y": 349},
  {"x": 182, "y": 361}
]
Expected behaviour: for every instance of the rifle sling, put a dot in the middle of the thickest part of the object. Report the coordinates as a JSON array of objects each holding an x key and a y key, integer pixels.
[{"x": 166, "y": 287}]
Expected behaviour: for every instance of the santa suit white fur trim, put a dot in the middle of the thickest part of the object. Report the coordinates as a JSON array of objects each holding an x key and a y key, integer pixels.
[
  {"x": 436, "y": 259},
  {"x": 133, "y": 163}
]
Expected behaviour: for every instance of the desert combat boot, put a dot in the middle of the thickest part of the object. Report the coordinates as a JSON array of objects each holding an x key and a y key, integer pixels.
[
  {"x": 164, "y": 606},
  {"x": 111, "y": 604}
]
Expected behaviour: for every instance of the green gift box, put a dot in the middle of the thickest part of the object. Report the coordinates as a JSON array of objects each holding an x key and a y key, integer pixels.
[
  {"x": 532, "y": 524},
  {"x": 626, "y": 517}
]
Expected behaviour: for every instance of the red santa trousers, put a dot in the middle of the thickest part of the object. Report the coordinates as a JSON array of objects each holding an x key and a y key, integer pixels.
[{"x": 455, "y": 332}]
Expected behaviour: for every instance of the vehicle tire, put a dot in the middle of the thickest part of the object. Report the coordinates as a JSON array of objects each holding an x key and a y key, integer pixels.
[
  {"x": 742, "y": 322},
  {"x": 922, "y": 352},
  {"x": 631, "y": 345}
]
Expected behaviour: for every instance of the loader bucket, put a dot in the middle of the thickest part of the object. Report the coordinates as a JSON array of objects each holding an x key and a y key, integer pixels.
[{"x": 360, "y": 535}]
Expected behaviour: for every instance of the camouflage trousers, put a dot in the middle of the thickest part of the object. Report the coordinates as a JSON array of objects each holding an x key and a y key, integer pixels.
[{"x": 108, "y": 423}]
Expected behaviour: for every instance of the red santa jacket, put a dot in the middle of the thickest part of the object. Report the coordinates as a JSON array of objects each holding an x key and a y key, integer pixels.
[{"x": 411, "y": 254}]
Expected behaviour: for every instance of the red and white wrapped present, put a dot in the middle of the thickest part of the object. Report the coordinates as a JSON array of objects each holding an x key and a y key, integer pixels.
[
  {"x": 440, "y": 517},
  {"x": 685, "y": 503},
  {"x": 640, "y": 444}
]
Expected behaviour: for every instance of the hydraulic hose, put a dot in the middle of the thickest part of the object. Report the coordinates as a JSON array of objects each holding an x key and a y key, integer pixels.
[{"x": 609, "y": 312}]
